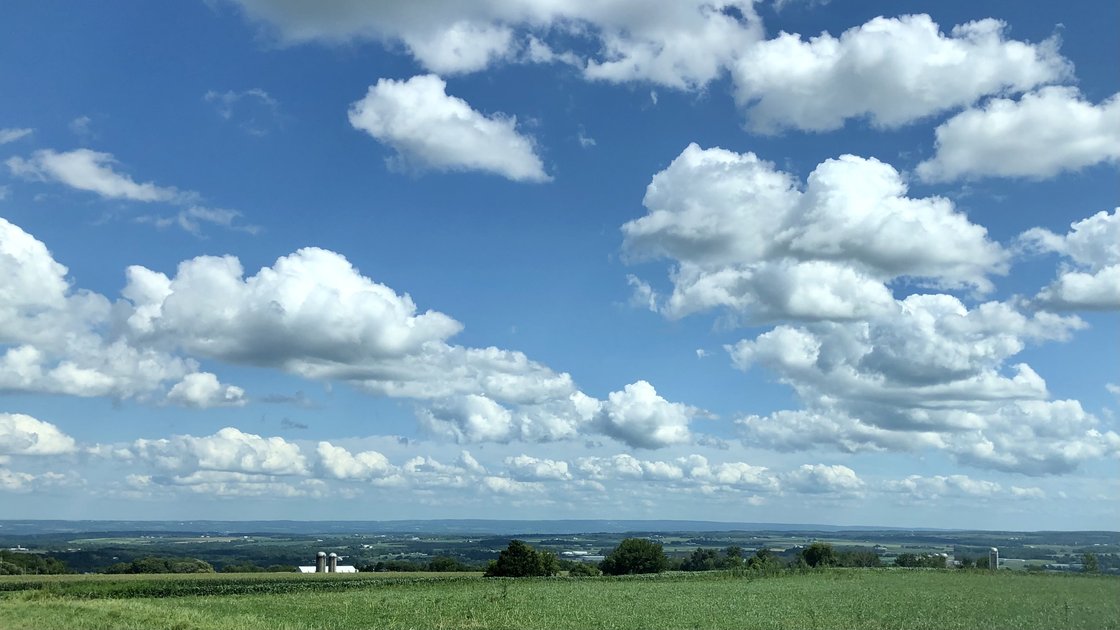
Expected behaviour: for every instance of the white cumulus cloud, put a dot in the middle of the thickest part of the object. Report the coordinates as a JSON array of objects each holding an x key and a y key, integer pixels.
[
  {"x": 21, "y": 434},
  {"x": 229, "y": 450},
  {"x": 1040, "y": 135},
  {"x": 202, "y": 390},
  {"x": 884, "y": 71},
  {"x": 744, "y": 237},
  {"x": 63, "y": 341},
  {"x": 683, "y": 45},
  {"x": 528, "y": 468},
  {"x": 342, "y": 464},
  {"x": 1092, "y": 282},
  {"x": 432, "y": 130},
  {"x": 822, "y": 478},
  {"x": 638, "y": 416}
]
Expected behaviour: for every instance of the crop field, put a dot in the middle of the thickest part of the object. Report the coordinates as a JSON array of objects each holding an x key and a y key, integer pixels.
[{"x": 835, "y": 598}]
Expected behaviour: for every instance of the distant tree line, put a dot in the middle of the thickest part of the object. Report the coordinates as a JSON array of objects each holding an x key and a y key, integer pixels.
[
  {"x": 21, "y": 563},
  {"x": 925, "y": 560},
  {"x": 153, "y": 564},
  {"x": 441, "y": 564},
  {"x": 249, "y": 567}
]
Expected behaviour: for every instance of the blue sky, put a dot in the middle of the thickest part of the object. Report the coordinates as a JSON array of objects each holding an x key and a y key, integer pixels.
[{"x": 854, "y": 263}]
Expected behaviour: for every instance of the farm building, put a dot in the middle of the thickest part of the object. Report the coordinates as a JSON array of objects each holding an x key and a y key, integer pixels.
[{"x": 327, "y": 564}]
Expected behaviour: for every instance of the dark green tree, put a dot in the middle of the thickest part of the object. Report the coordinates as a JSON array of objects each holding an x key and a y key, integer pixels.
[
  {"x": 764, "y": 561},
  {"x": 1089, "y": 563},
  {"x": 521, "y": 560},
  {"x": 635, "y": 555},
  {"x": 819, "y": 554},
  {"x": 702, "y": 560},
  {"x": 733, "y": 557}
]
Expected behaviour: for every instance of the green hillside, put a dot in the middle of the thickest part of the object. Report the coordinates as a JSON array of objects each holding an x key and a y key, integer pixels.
[{"x": 836, "y": 598}]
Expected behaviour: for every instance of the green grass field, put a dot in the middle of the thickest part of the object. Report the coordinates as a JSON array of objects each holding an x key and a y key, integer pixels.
[{"x": 827, "y": 599}]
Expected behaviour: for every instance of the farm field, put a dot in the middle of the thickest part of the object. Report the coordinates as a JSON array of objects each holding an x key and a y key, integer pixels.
[{"x": 837, "y": 598}]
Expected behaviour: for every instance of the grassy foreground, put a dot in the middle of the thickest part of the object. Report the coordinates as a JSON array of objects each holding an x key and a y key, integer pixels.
[{"x": 828, "y": 599}]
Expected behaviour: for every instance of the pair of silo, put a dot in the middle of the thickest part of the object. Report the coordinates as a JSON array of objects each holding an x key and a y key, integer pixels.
[{"x": 325, "y": 563}]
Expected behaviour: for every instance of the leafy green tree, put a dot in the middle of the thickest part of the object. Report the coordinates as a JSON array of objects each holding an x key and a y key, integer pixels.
[
  {"x": 521, "y": 560},
  {"x": 9, "y": 568},
  {"x": 635, "y": 555},
  {"x": 858, "y": 558},
  {"x": 733, "y": 557},
  {"x": 764, "y": 561},
  {"x": 31, "y": 563},
  {"x": 1089, "y": 563},
  {"x": 819, "y": 554},
  {"x": 702, "y": 560}
]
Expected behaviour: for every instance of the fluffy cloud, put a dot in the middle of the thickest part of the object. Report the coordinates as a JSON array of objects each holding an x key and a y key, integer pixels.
[
  {"x": 639, "y": 417},
  {"x": 940, "y": 486},
  {"x": 309, "y": 307},
  {"x": 15, "y": 481},
  {"x": 89, "y": 170},
  {"x": 310, "y": 314},
  {"x": 62, "y": 341},
  {"x": 528, "y": 468},
  {"x": 931, "y": 375},
  {"x": 743, "y": 236},
  {"x": 21, "y": 434},
  {"x": 235, "y": 484},
  {"x": 313, "y": 314},
  {"x": 624, "y": 466},
  {"x": 696, "y": 471},
  {"x": 202, "y": 390},
  {"x": 803, "y": 430},
  {"x": 430, "y": 129},
  {"x": 1040, "y": 135},
  {"x": 342, "y": 464},
  {"x": 678, "y": 44},
  {"x": 471, "y": 418},
  {"x": 882, "y": 70},
  {"x": 913, "y": 369},
  {"x": 1037, "y": 438},
  {"x": 511, "y": 487},
  {"x": 822, "y": 478},
  {"x": 228, "y": 450},
  {"x": 1093, "y": 245}
]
